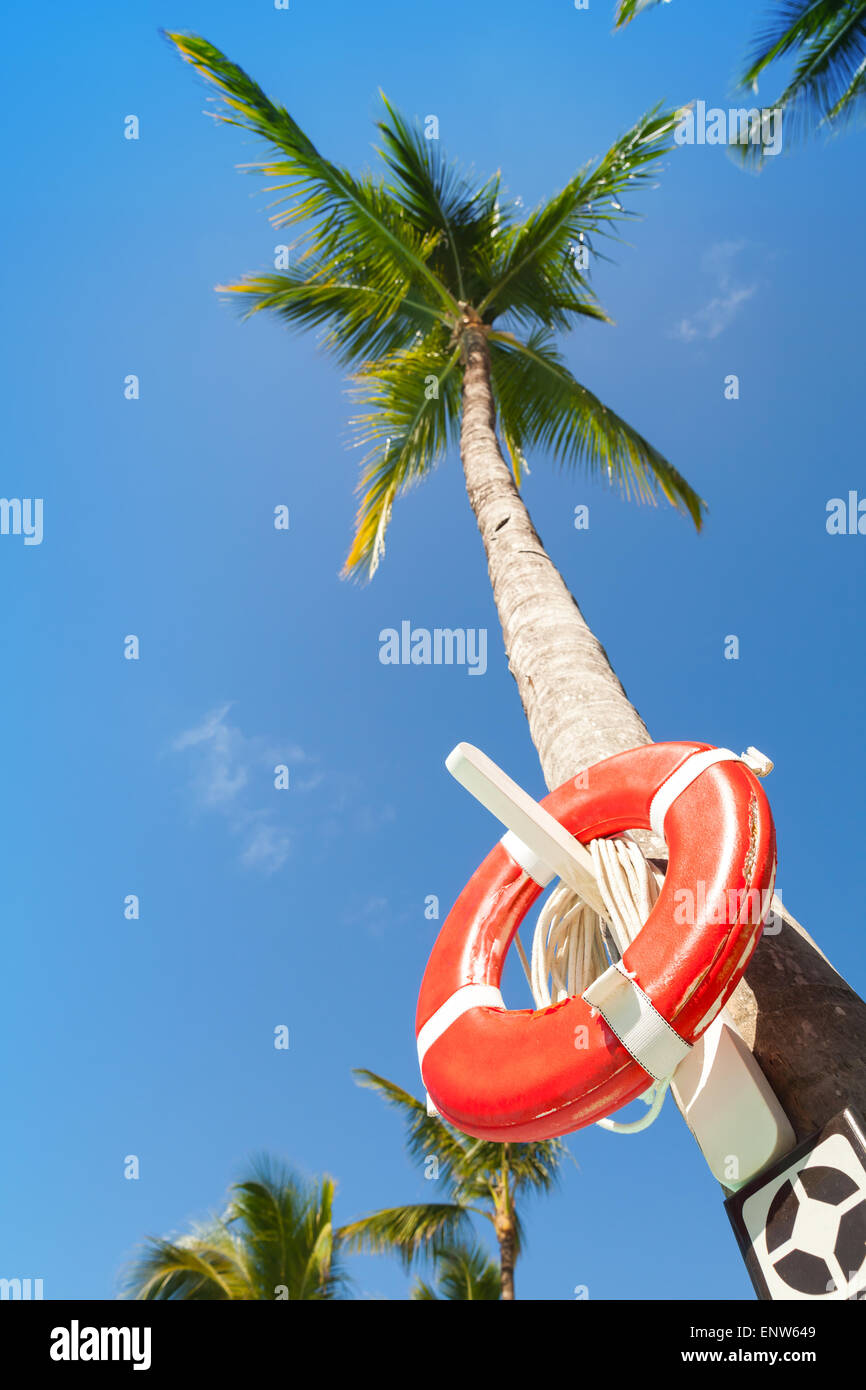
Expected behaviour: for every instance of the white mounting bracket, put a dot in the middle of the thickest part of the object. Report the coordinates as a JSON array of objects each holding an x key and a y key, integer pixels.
[
  {"x": 536, "y": 840},
  {"x": 730, "y": 1107}
]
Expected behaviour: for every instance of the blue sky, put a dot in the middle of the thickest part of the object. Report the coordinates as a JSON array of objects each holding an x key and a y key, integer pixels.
[{"x": 155, "y": 777}]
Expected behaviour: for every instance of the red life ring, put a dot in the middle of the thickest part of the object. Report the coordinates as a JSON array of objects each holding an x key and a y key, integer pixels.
[{"x": 524, "y": 1074}]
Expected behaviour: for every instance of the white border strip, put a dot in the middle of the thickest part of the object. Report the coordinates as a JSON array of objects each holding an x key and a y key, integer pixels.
[
  {"x": 461, "y": 1001},
  {"x": 634, "y": 1018},
  {"x": 685, "y": 774}
]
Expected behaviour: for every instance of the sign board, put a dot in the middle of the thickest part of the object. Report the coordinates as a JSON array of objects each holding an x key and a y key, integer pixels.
[{"x": 801, "y": 1223}]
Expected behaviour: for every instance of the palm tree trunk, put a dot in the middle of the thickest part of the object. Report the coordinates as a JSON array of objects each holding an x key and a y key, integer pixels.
[
  {"x": 507, "y": 1256},
  {"x": 803, "y": 1022},
  {"x": 577, "y": 710}
]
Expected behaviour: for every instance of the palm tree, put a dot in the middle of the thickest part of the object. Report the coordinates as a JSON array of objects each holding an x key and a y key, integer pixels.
[
  {"x": 275, "y": 1241},
  {"x": 463, "y": 1272},
  {"x": 828, "y": 84},
  {"x": 446, "y": 305},
  {"x": 478, "y": 1179}
]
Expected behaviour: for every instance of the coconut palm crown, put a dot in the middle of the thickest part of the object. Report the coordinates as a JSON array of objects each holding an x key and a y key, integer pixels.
[
  {"x": 398, "y": 268},
  {"x": 274, "y": 1242}
]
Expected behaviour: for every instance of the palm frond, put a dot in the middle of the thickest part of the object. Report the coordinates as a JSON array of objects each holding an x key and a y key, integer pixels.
[
  {"x": 851, "y": 100},
  {"x": 542, "y": 404},
  {"x": 343, "y": 212},
  {"x": 439, "y": 195},
  {"x": 827, "y": 82},
  {"x": 422, "y": 1229},
  {"x": 463, "y": 1273},
  {"x": 426, "y": 1135},
  {"x": 627, "y": 10},
  {"x": 414, "y": 402},
  {"x": 286, "y": 1225},
  {"x": 206, "y": 1265},
  {"x": 537, "y": 276},
  {"x": 276, "y": 1234},
  {"x": 362, "y": 321}
]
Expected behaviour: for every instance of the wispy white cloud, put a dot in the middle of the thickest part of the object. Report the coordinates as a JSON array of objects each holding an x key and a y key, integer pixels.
[
  {"x": 230, "y": 772},
  {"x": 266, "y": 848},
  {"x": 721, "y": 310}
]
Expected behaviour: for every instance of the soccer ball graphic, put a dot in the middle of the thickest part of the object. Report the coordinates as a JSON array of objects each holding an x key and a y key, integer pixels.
[
  {"x": 806, "y": 1225},
  {"x": 816, "y": 1233}
]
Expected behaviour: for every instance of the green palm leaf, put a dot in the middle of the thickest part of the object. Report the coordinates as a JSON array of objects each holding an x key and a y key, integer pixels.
[
  {"x": 276, "y": 1239},
  {"x": 540, "y": 403},
  {"x": 436, "y": 195},
  {"x": 205, "y": 1266},
  {"x": 359, "y": 320},
  {"x": 426, "y": 1135},
  {"x": 413, "y": 400},
  {"x": 344, "y": 212},
  {"x": 537, "y": 275},
  {"x": 627, "y": 10},
  {"x": 827, "y": 79},
  {"x": 420, "y": 1229},
  {"x": 463, "y": 1272}
]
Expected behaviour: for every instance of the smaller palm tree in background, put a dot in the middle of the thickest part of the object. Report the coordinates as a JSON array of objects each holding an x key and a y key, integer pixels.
[
  {"x": 463, "y": 1272},
  {"x": 275, "y": 1241},
  {"x": 476, "y": 1178}
]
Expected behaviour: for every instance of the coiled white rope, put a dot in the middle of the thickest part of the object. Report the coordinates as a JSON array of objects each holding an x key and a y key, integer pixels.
[{"x": 572, "y": 945}]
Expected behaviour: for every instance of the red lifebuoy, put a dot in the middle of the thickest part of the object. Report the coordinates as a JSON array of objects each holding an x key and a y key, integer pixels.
[{"x": 524, "y": 1074}]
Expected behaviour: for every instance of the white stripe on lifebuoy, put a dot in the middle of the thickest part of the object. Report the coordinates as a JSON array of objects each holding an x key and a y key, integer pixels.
[
  {"x": 467, "y": 997},
  {"x": 682, "y": 778}
]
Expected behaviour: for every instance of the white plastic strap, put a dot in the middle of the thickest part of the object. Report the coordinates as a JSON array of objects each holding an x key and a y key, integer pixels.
[
  {"x": 463, "y": 999},
  {"x": 676, "y": 784},
  {"x": 634, "y": 1018}
]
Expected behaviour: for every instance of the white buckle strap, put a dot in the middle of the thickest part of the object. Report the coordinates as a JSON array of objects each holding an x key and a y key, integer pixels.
[{"x": 633, "y": 1017}]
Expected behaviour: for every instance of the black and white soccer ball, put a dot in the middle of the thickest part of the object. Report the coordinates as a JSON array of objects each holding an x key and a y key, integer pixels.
[{"x": 816, "y": 1234}]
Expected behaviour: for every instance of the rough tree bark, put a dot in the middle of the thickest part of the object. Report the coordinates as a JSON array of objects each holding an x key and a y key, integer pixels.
[{"x": 805, "y": 1025}]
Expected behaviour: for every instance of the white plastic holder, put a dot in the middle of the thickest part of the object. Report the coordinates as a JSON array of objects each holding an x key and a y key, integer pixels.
[
  {"x": 535, "y": 839},
  {"x": 730, "y": 1106}
]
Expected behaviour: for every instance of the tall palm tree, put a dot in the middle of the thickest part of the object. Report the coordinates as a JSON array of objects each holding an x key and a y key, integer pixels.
[
  {"x": 828, "y": 37},
  {"x": 462, "y": 1273},
  {"x": 476, "y": 1178},
  {"x": 446, "y": 305},
  {"x": 275, "y": 1241}
]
